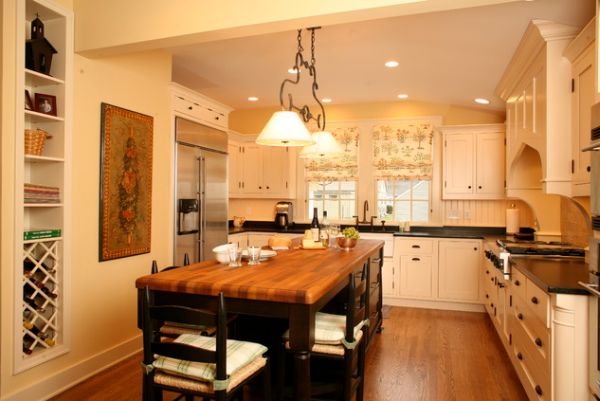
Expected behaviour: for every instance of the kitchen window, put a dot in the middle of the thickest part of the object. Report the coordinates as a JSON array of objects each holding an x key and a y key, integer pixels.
[
  {"x": 338, "y": 198},
  {"x": 403, "y": 200},
  {"x": 402, "y": 162},
  {"x": 331, "y": 182}
]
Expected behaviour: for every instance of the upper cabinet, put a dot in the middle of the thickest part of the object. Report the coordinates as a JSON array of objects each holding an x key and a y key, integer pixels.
[
  {"x": 473, "y": 158},
  {"x": 194, "y": 106},
  {"x": 536, "y": 88},
  {"x": 257, "y": 171},
  {"x": 580, "y": 53}
]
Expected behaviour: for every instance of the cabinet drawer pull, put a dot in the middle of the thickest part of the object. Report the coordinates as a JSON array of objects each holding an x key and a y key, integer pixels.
[
  {"x": 487, "y": 296},
  {"x": 416, "y": 259},
  {"x": 538, "y": 342},
  {"x": 376, "y": 260},
  {"x": 538, "y": 390},
  {"x": 416, "y": 246},
  {"x": 479, "y": 187},
  {"x": 520, "y": 316},
  {"x": 487, "y": 272},
  {"x": 534, "y": 300},
  {"x": 469, "y": 187},
  {"x": 519, "y": 356},
  {"x": 517, "y": 283}
]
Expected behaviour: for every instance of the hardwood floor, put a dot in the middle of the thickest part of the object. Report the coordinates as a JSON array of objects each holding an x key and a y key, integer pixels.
[{"x": 422, "y": 355}]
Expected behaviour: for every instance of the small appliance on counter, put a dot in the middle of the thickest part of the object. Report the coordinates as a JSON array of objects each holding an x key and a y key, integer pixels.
[{"x": 284, "y": 214}]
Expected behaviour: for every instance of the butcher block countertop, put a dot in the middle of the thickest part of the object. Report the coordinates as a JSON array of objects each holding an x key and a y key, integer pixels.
[{"x": 292, "y": 276}]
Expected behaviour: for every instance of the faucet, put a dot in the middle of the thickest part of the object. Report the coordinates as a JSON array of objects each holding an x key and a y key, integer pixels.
[{"x": 365, "y": 210}]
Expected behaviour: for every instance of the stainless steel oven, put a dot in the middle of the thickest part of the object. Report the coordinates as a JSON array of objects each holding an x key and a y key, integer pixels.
[{"x": 594, "y": 258}]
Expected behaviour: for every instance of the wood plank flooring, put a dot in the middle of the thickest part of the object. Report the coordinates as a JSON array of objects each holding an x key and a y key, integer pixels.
[{"x": 422, "y": 355}]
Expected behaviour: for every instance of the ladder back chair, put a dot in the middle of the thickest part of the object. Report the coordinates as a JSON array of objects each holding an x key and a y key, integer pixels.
[{"x": 195, "y": 365}]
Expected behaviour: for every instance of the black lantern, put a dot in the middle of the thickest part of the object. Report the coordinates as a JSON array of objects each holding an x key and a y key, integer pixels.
[{"x": 38, "y": 51}]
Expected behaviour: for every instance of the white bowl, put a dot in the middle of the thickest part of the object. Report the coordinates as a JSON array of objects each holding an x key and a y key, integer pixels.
[{"x": 222, "y": 253}]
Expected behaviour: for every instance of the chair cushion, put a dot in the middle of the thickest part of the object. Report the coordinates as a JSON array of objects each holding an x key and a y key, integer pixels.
[
  {"x": 203, "y": 387},
  {"x": 330, "y": 328},
  {"x": 239, "y": 354},
  {"x": 330, "y": 349}
]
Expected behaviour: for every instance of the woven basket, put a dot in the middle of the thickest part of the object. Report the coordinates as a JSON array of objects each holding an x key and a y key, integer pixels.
[{"x": 34, "y": 141}]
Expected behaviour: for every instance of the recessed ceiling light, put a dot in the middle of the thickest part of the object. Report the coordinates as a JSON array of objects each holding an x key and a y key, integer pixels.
[
  {"x": 403, "y": 96},
  {"x": 391, "y": 64},
  {"x": 481, "y": 100},
  {"x": 293, "y": 70},
  {"x": 253, "y": 99},
  {"x": 326, "y": 100}
]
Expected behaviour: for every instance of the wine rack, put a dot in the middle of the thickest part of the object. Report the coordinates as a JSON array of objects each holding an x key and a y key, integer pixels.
[
  {"x": 42, "y": 275},
  {"x": 41, "y": 262}
]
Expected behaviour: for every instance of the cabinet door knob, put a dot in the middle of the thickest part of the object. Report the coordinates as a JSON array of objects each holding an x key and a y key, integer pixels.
[
  {"x": 475, "y": 248},
  {"x": 469, "y": 187},
  {"x": 268, "y": 187},
  {"x": 479, "y": 187},
  {"x": 588, "y": 169},
  {"x": 487, "y": 272},
  {"x": 538, "y": 342},
  {"x": 519, "y": 356},
  {"x": 517, "y": 283},
  {"x": 520, "y": 316},
  {"x": 538, "y": 390},
  {"x": 190, "y": 108},
  {"x": 534, "y": 300},
  {"x": 487, "y": 296},
  {"x": 217, "y": 117}
]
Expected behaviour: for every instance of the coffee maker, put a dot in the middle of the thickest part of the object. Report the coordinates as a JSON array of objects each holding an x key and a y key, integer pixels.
[{"x": 284, "y": 214}]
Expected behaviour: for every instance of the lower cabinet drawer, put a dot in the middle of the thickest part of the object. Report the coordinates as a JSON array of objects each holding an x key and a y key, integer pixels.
[
  {"x": 539, "y": 302},
  {"x": 536, "y": 381},
  {"x": 537, "y": 357},
  {"x": 531, "y": 328}
]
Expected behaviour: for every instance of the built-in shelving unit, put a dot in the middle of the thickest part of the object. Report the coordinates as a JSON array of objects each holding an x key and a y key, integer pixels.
[{"x": 42, "y": 264}]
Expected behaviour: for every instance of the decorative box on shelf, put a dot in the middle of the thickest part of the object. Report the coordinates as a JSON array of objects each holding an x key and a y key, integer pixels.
[{"x": 41, "y": 194}]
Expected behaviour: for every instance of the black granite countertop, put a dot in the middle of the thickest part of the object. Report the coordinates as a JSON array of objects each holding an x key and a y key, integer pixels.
[
  {"x": 416, "y": 231},
  {"x": 554, "y": 275}
]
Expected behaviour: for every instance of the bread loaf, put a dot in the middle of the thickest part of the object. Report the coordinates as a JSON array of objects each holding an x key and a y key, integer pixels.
[{"x": 280, "y": 242}]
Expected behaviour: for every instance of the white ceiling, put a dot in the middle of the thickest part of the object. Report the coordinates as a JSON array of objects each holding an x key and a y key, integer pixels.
[{"x": 447, "y": 57}]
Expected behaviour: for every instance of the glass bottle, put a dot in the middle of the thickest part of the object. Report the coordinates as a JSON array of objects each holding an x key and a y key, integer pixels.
[{"x": 314, "y": 226}]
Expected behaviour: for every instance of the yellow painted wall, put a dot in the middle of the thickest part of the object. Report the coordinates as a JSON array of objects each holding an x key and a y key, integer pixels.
[
  {"x": 252, "y": 121},
  {"x": 103, "y": 296}
]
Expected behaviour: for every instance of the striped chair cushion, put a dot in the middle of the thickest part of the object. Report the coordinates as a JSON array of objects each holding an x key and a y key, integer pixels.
[
  {"x": 330, "y": 329},
  {"x": 330, "y": 349},
  {"x": 239, "y": 354}
]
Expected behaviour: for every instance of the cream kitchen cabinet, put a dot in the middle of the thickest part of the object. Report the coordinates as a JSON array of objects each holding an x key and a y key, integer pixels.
[
  {"x": 458, "y": 270},
  {"x": 473, "y": 161},
  {"x": 241, "y": 239},
  {"x": 535, "y": 86},
  {"x": 583, "y": 69},
  {"x": 194, "y": 106},
  {"x": 257, "y": 171},
  {"x": 417, "y": 265}
]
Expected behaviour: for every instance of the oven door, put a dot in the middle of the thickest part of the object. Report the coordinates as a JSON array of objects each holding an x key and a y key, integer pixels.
[{"x": 594, "y": 314}]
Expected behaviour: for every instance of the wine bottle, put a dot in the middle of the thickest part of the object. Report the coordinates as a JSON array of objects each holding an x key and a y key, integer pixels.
[
  {"x": 324, "y": 234},
  {"x": 44, "y": 288},
  {"x": 314, "y": 226},
  {"x": 29, "y": 266},
  {"x": 34, "y": 305},
  {"x": 39, "y": 333}
]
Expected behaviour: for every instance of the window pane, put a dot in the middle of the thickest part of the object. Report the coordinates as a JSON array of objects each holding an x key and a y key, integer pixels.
[
  {"x": 385, "y": 210},
  {"x": 332, "y": 208},
  {"x": 420, "y": 211},
  {"x": 347, "y": 209},
  {"x": 403, "y": 190},
  {"x": 402, "y": 211},
  {"x": 314, "y": 188},
  {"x": 421, "y": 190},
  {"x": 385, "y": 190},
  {"x": 348, "y": 190}
]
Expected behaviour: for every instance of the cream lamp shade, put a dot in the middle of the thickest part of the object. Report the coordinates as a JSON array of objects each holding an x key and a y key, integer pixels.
[
  {"x": 325, "y": 146},
  {"x": 285, "y": 129}
]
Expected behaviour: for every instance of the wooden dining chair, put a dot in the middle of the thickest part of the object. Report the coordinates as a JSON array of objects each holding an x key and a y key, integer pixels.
[
  {"x": 342, "y": 340},
  {"x": 195, "y": 365}
]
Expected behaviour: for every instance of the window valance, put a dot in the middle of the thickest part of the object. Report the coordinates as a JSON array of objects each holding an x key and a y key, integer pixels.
[{"x": 403, "y": 150}]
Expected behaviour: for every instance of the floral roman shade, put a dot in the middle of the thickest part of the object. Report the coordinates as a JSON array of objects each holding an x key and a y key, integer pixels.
[
  {"x": 344, "y": 168},
  {"x": 403, "y": 150}
]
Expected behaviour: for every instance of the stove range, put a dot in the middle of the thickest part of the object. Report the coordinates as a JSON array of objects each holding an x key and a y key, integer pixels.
[{"x": 541, "y": 248}]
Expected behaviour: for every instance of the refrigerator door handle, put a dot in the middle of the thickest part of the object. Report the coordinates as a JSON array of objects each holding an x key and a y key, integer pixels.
[{"x": 202, "y": 214}]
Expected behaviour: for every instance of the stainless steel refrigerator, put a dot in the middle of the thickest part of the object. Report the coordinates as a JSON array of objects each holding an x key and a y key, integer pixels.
[{"x": 200, "y": 190}]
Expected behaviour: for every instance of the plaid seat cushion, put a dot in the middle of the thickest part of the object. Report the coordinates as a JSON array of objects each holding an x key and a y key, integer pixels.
[
  {"x": 330, "y": 328},
  {"x": 239, "y": 354}
]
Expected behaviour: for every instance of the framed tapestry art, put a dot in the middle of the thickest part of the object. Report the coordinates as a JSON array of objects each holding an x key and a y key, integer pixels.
[{"x": 125, "y": 183}]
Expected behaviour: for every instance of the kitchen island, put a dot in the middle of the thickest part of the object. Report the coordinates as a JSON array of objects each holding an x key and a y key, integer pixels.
[{"x": 294, "y": 285}]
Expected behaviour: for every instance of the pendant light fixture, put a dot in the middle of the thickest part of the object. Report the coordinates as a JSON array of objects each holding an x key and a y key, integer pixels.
[
  {"x": 325, "y": 146},
  {"x": 286, "y": 127}
]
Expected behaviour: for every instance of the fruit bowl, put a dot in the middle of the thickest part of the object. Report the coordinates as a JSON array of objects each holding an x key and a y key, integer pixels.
[{"x": 346, "y": 243}]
